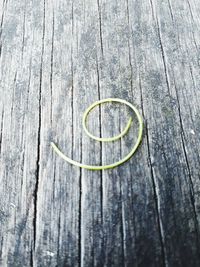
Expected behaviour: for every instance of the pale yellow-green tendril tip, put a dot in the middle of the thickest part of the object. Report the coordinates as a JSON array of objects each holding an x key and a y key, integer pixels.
[{"x": 115, "y": 164}]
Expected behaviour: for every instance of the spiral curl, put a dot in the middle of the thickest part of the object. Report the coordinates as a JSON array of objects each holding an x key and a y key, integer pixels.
[{"x": 110, "y": 139}]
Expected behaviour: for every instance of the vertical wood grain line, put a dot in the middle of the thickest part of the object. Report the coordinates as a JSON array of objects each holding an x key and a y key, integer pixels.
[
  {"x": 155, "y": 190},
  {"x": 39, "y": 134}
]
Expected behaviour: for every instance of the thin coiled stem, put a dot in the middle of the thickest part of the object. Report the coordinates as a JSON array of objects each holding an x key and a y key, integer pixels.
[{"x": 115, "y": 164}]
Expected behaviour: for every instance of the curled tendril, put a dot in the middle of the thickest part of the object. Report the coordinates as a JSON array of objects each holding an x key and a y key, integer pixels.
[{"x": 115, "y": 164}]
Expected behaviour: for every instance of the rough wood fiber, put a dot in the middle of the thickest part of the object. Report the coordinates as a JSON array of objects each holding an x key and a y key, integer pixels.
[{"x": 56, "y": 58}]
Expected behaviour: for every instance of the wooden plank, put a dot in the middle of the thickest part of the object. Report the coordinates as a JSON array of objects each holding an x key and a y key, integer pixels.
[
  {"x": 56, "y": 58},
  {"x": 124, "y": 187}
]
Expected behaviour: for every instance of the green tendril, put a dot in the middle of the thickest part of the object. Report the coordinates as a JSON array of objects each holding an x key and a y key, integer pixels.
[{"x": 124, "y": 132}]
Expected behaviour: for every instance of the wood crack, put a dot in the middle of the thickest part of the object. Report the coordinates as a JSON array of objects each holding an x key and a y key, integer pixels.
[
  {"x": 31, "y": 258},
  {"x": 1, "y": 27},
  {"x": 72, "y": 77},
  {"x": 59, "y": 231},
  {"x": 23, "y": 32},
  {"x": 163, "y": 56},
  {"x": 157, "y": 203},
  {"x": 1, "y": 132},
  {"x": 51, "y": 70},
  {"x": 80, "y": 214},
  {"x": 100, "y": 26},
  {"x": 152, "y": 9},
  {"x": 129, "y": 48},
  {"x": 100, "y": 133},
  {"x": 122, "y": 228},
  {"x": 80, "y": 218},
  {"x": 170, "y": 10},
  {"x": 155, "y": 189},
  {"x": 37, "y": 173},
  {"x": 1, "y": 24},
  {"x": 162, "y": 50},
  {"x": 72, "y": 100},
  {"x": 72, "y": 18}
]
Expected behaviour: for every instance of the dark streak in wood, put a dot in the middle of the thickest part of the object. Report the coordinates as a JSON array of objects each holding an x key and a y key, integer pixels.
[
  {"x": 100, "y": 134},
  {"x": 163, "y": 56},
  {"x": 156, "y": 195},
  {"x": 100, "y": 26},
  {"x": 171, "y": 12},
  {"x": 51, "y": 73},
  {"x": 23, "y": 32},
  {"x": 1, "y": 132},
  {"x": 37, "y": 172},
  {"x": 80, "y": 220}
]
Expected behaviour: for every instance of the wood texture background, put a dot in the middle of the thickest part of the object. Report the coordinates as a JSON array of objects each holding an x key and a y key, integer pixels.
[{"x": 56, "y": 58}]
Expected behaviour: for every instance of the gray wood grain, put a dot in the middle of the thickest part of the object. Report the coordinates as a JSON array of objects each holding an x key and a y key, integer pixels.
[{"x": 58, "y": 57}]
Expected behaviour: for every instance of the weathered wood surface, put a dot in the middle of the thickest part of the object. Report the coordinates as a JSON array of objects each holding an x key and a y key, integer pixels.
[{"x": 56, "y": 58}]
